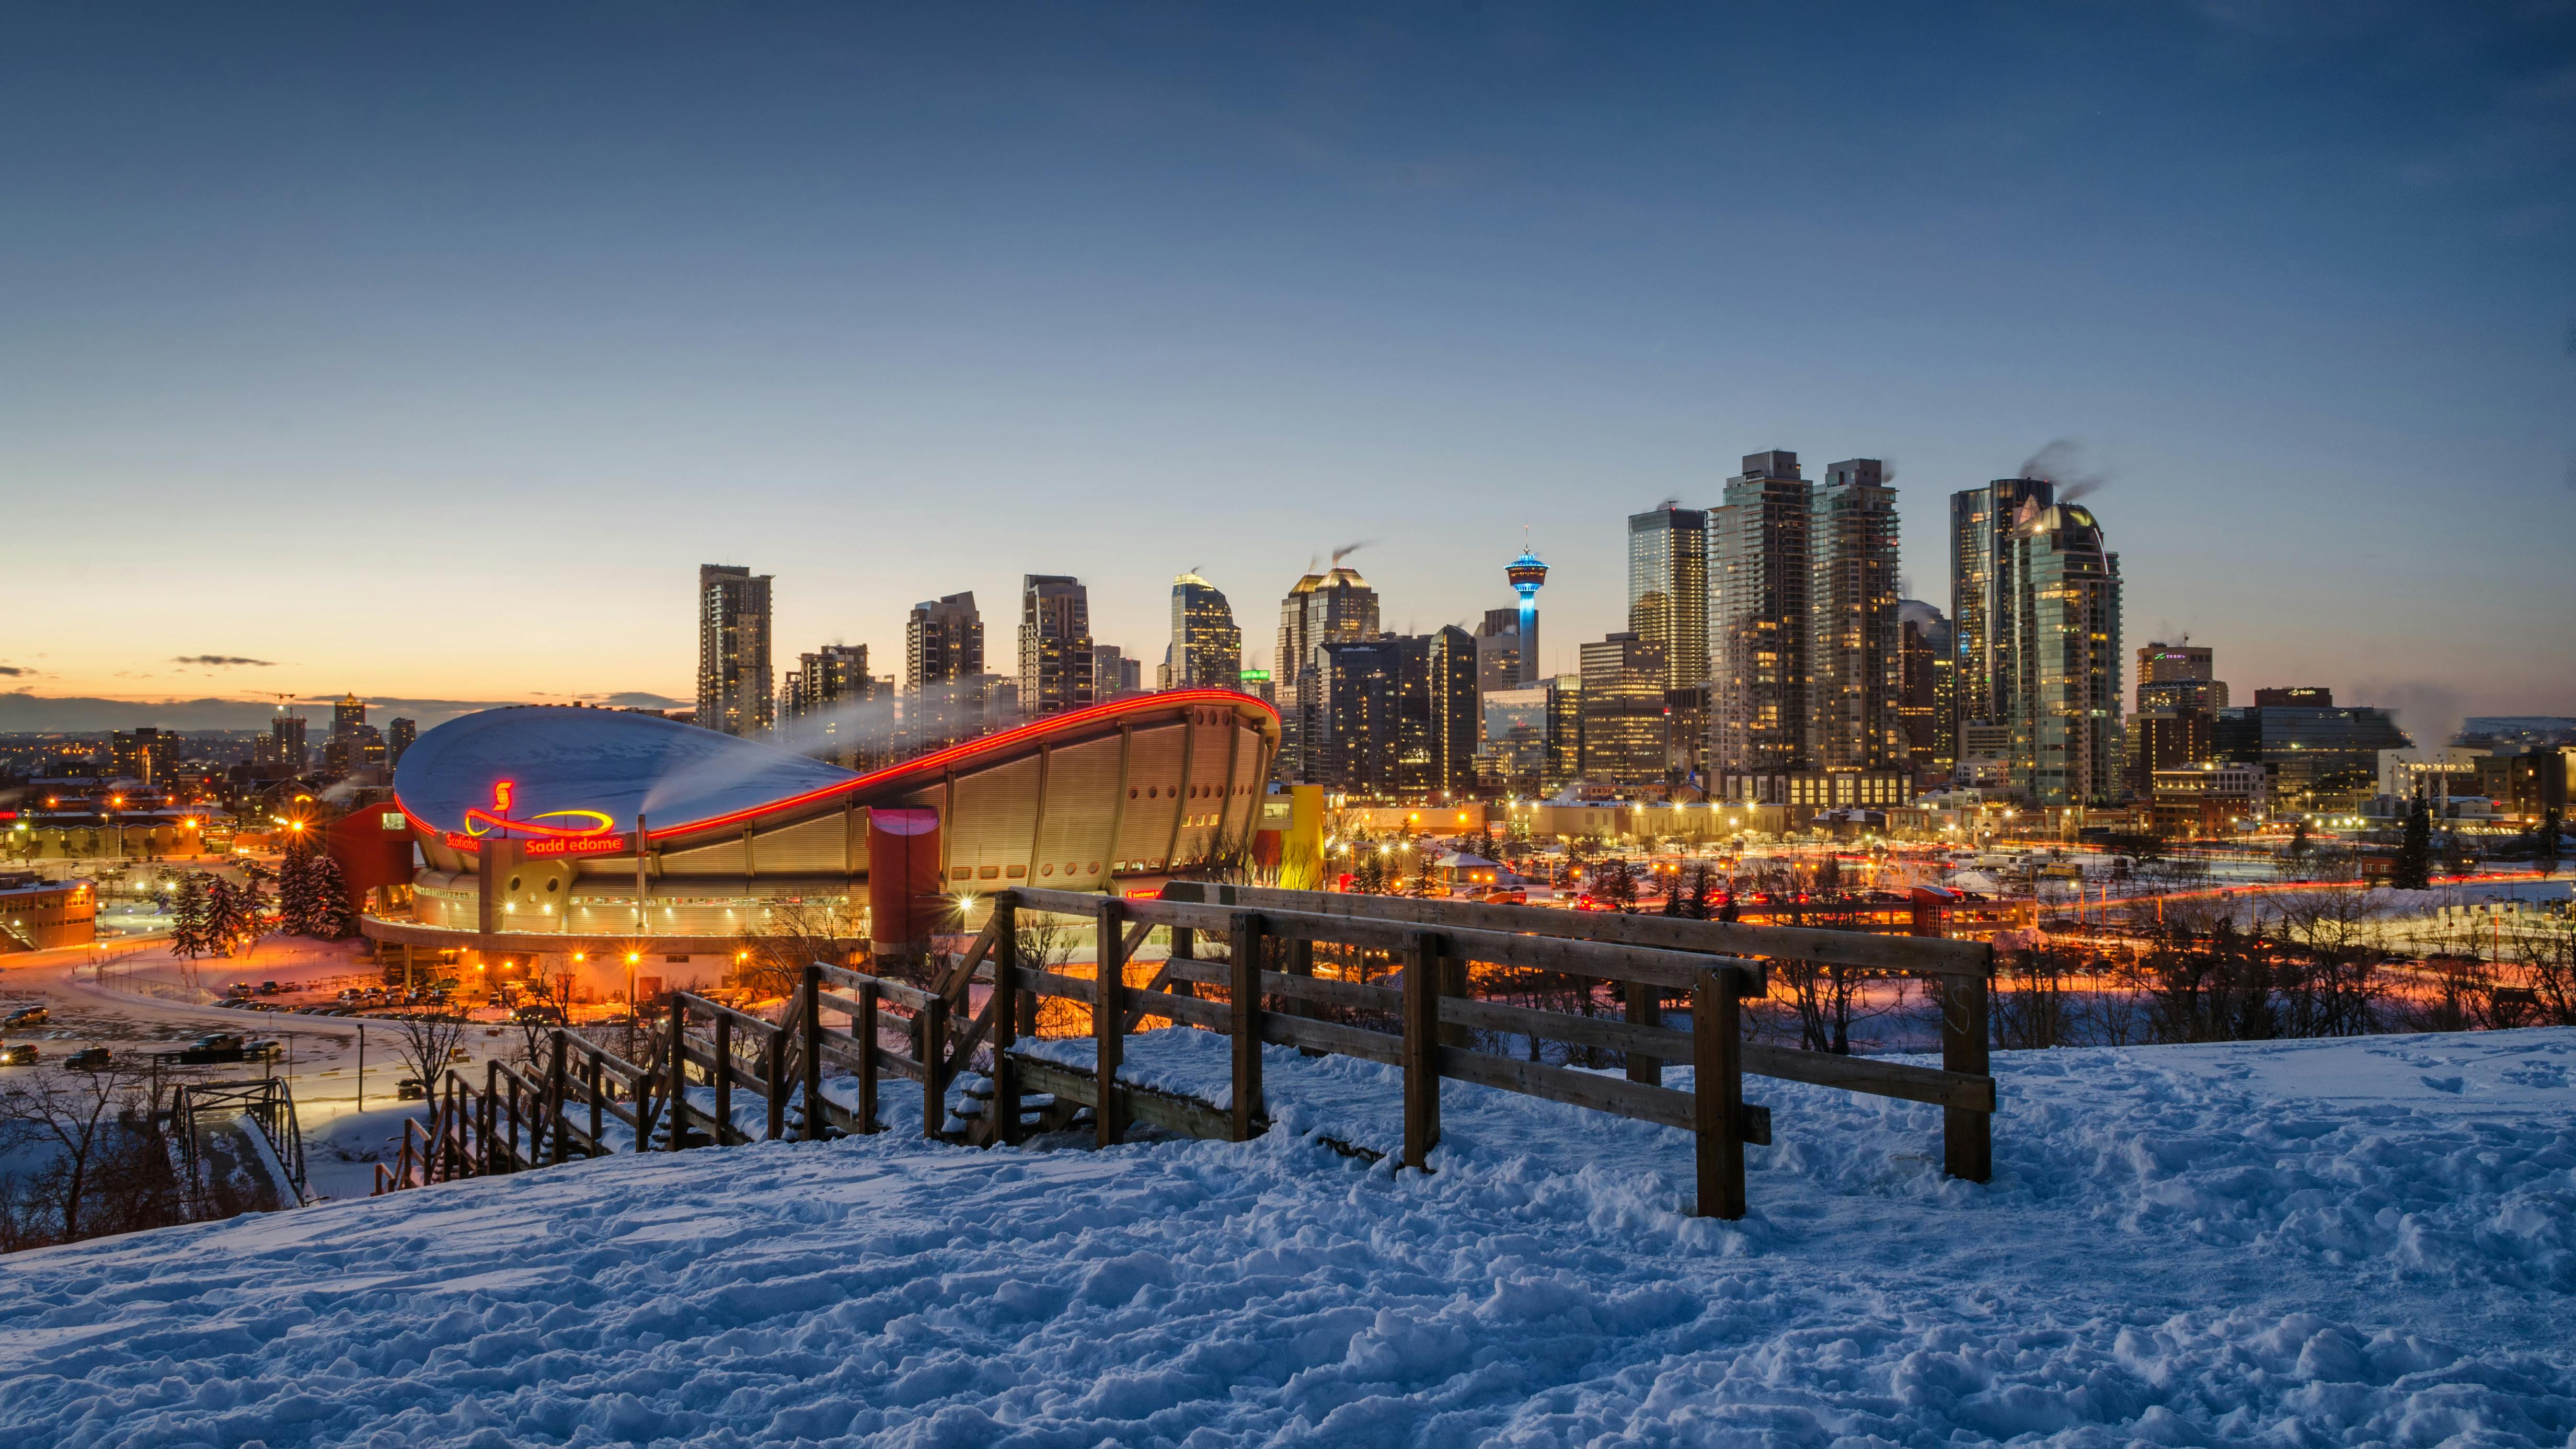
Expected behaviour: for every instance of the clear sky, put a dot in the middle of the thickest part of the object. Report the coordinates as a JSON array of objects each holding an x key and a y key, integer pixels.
[{"x": 426, "y": 351}]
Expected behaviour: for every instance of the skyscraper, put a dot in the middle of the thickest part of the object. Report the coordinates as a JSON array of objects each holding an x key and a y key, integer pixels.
[
  {"x": 1527, "y": 574},
  {"x": 943, "y": 642},
  {"x": 1329, "y": 608},
  {"x": 1668, "y": 588},
  {"x": 1926, "y": 699},
  {"x": 1982, "y": 627},
  {"x": 816, "y": 714},
  {"x": 1357, "y": 717},
  {"x": 398, "y": 738},
  {"x": 2063, "y": 695},
  {"x": 1113, "y": 673},
  {"x": 347, "y": 715},
  {"x": 734, "y": 680},
  {"x": 1853, "y": 630},
  {"x": 1436, "y": 746},
  {"x": 2179, "y": 676},
  {"x": 1206, "y": 651},
  {"x": 1056, "y": 665},
  {"x": 286, "y": 747},
  {"x": 1623, "y": 712},
  {"x": 1762, "y": 572}
]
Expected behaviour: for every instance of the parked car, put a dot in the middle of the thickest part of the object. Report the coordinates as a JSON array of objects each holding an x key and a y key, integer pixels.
[
  {"x": 87, "y": 1059},
  {"x": 545, "y": 1015},
  {"x": 215, "y": 1041},
  {"x": 18, "y": 1054},
  {"x": 24, "y": 1016},
  {"x": 409, "y": 1089},
  {"x": 348, "y": 993},
  {"x": 268, "y": 988},
  {"x": 237, "y": 989},
  {"x": 263, "y": 1051}
]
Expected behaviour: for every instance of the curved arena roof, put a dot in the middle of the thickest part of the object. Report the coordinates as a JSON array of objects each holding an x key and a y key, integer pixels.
[{"x": 584, "y": 769}]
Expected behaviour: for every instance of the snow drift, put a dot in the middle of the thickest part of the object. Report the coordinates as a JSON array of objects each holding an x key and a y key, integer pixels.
[{"x": 2311, "y": 1243}]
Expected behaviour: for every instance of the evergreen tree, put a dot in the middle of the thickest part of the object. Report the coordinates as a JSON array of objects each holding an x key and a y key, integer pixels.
[
  {"x": 332, "y": 920},
  {"x": 1673, "y": 894},
  {"x": 299, "y": 897},
  {"x": 2546, "y": 854},
  {"x": 1703, "y": 886},
  {"x": 224, "y": 923},
  {"x": 189, "y": 937},
  {"x": 2299, "y": 840},
  {"x": 2413, "y": 868}
]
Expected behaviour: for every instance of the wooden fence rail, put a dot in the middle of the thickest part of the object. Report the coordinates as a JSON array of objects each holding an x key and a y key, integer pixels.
[{"x": 1265, "y": 990}]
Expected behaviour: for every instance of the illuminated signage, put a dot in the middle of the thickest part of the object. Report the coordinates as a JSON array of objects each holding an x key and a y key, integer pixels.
[
  {"x": 576, "y": 845},
  {"x": 497, "y": 818},
  {"x": 391, "y": 820}
]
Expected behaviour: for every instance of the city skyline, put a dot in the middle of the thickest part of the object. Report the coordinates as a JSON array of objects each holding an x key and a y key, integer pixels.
[{"x": 588, "y": 330}]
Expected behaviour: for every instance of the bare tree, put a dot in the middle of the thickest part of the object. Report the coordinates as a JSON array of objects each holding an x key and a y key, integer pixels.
[
  {"x": 427, "y": 1041},
  {"x": 90, "y": 1130},
  {"x": 797, "y": 933}
]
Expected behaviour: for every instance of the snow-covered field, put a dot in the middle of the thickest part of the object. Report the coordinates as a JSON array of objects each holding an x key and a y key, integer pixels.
[{"x": 2297, "y": 1244}]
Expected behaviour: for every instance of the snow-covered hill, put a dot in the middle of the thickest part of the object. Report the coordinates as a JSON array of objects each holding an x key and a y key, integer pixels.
[{"x": 2310, "y": 1243}]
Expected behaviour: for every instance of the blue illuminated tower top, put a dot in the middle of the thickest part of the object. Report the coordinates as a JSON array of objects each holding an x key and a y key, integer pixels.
[{"x": 1526, "y": 574}]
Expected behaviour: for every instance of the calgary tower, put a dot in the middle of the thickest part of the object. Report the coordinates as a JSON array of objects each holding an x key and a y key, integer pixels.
[{"x": 1526, "y": 574}]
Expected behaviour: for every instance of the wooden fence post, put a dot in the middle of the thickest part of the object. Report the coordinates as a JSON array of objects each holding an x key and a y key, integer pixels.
[
  {"x": 865, "y": 1029},
  {"x": 1645, "y": 1008},
  {"x": 598, "y": 1071},
  {"x": 559, "y": 1148},
  {"x": 773, "y": 1081},
  {"x": 1717, "y": 1091},
  {"x": 724, "y": 1077},
  {"x": 1109, "y": 1025},
  {"x": 1245, "y": 988},
  {"x": 934, "y": 1065},
  {"x": 1421, "y": 1049},
  {"x": 488, "y": 1113},
  {"x": 679, "y": 1084},
  {"x": 1967, "y": 1137},
  {"x": 1005, "y": 956},
  {"x": 813, "y": 1018}
]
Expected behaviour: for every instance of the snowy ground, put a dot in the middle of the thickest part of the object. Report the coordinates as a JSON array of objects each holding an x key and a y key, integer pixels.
[{"x": 2296, "y": 1244}]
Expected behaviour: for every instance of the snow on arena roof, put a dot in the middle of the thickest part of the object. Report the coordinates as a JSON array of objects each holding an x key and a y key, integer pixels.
[{"x": 561, "y": 758}]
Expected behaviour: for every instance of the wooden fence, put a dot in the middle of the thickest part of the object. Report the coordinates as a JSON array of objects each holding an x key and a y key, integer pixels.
[{"x": 1266, "y": 989}]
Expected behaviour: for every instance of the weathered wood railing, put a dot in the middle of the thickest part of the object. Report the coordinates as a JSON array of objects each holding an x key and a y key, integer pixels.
[
  {"x": 1264, "y": 990},
  {"x": 1958, "y": 970}
]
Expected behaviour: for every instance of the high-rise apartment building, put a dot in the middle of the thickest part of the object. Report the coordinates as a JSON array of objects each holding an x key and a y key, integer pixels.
[
  {"x": 1982, "y": 627},
  {"x": 1056, "y": 665},
  {"x": 1668, "y": 588},
  {"x": 817, "y": 707},
  {"x": 1357, "y": 716},
  {"x": 1328, "y": 608},
  {"x": 1498, "y": 651},
  {"x": 2062, "y": 697},
  {"x": 398, "y": 737},
  {"x": 1854, "y": 629},
  {"x": 1760, "y": 573},
  {"x": 1926, "y": 697},
  {"x": 1206, "y": 651},
  {"x": 1623, "y": 712},
  {"x": 943, "y": 642},
  {"x": 734, "y": 680},
  {"x": 1114, "y": 674},
  {"x": 285, "y": 753},
  {"x": 1436, "y": 747}
]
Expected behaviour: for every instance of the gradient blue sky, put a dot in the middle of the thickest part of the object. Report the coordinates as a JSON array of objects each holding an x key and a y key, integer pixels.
[{"x": 425, "y": 353}]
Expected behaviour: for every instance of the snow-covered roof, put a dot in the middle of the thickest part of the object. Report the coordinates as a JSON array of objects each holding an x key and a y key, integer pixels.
[{"x": 561, "y": 758}]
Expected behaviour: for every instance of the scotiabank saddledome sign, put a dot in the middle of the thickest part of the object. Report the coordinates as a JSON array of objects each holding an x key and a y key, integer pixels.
[{"x": 548, "y": 832}]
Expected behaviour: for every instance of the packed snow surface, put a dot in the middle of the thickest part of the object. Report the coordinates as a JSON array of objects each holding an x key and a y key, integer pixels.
[{"x": 2360, "y": 1241}]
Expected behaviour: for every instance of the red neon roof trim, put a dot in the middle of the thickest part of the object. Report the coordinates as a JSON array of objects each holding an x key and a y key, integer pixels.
[
  {"x": 988, "y": 744},
  {"x": 936, "y": 759}
]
